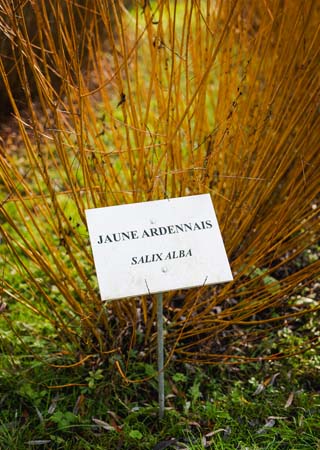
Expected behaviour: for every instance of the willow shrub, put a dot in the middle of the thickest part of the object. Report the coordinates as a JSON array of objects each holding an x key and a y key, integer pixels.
[{"x": 174, "y": 98}]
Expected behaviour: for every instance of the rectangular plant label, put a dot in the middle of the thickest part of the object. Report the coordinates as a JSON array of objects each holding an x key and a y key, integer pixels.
[{"x": 157, "y": 246}]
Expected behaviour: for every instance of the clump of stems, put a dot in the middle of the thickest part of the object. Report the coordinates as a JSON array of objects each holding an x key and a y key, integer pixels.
[{"x": 163, "y": 100}]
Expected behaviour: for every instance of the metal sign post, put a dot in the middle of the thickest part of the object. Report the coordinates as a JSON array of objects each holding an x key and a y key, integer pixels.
[{"x": 160, "y": 354}]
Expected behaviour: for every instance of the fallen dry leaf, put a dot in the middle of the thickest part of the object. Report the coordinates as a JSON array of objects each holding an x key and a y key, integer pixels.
[
  {"x": 260, "y": 388},
  {"x": 105, "y": 425},
  {"x": 290, "y": 400}
]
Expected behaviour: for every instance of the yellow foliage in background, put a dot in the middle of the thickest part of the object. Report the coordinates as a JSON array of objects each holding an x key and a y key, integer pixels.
[{"x": 161, "y": 99}]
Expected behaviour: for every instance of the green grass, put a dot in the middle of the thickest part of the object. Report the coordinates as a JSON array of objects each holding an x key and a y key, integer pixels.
[
  {"x": 270, "y": 405},
  {"x": 266, "y": 405}
]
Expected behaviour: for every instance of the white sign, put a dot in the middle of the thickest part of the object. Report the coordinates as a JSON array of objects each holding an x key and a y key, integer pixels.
[{"x": 157, "y": 246}]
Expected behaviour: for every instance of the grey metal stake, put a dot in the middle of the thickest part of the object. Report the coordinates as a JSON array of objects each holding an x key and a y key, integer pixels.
[{"x": 160, "y": 353}]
